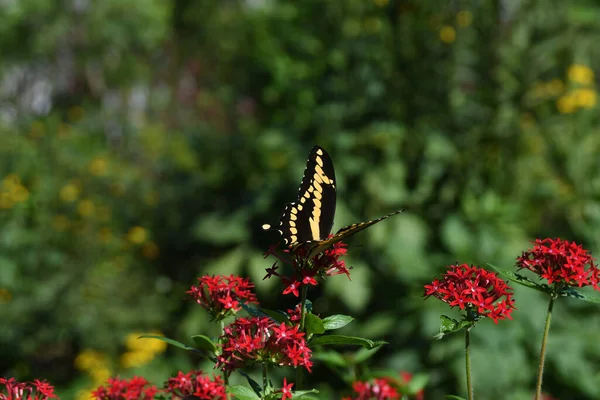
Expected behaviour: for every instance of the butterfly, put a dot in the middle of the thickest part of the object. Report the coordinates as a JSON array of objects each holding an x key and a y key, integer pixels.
[{"x": 307, "y": 222}]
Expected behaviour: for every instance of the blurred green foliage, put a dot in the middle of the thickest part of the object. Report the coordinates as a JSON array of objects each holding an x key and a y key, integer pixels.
[{"x": 145, "y": 142}]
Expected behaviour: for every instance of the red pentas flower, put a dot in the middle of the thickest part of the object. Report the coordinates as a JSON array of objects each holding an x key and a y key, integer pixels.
[
  {"x": 253, "y": 340},
  {"x": 198, "y": 384},
  {"x": 475, "y": 290},
  {"x": 136, "y": 388},
  {"x": 36, "y": 390},
  {"x": 221, "y": 295},
  {"x": 286, "y": 390},
  {"x": 327, "y": 263},
  {"x": 560, "y": 262},
  {"x": 377, "y": 389}
]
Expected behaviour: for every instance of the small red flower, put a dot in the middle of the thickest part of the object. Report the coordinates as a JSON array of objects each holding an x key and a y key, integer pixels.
[
  {"x": 136, "y": 388},
  {"x": 36, "y": 390},
  {"x": 378, "y": 389},
  {"x": 327, "y": 263},
  {"x": 220, "y": 295},
  {"x": 286, "y": 390},
  {"x": 261, "y": 340},
  {"x": 560, "y": 262},
  {"x": 198, "y": 384},
  {"x": 475, "y": 290}
]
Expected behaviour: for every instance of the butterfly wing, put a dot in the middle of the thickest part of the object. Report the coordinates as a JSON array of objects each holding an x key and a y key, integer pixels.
[
  {"x": 321, "y": 246},
  {"x": 310, "y": 217}
]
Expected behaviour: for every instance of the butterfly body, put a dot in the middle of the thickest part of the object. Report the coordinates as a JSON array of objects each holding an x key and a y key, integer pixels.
[{"x": 307, "y": 222}]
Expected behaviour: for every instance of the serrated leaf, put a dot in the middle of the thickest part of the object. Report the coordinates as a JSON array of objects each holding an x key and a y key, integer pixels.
[
  {"x": 313, "y": 324},
  {"x": 449, "y": 325},
  {"x": 336, "y": 321},
  {"x": 520, "y": 279},
  {"x": 346, "y": 340},
  {"x": 242, "y": 392},
  {"x": 204, "y": 343}
]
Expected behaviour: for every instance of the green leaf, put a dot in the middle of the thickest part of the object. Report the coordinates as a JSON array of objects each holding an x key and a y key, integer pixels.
[
  {"x": 276, "y": 315},
  {"x": 242, "y": 392},
  {"x": 364, "y": 354},
  {"x": 417, "y": 383},
  {"x": 449, "y": 325},
  {"x": 453, "y": 397},
  {"x": 253, "y": 384},
  {"x": 204, "y": 343},
  {"x": 520, "y": 279},
  {"x": 301, "y": 393},
  {"x": 170, "y": 341},
  {"x": 346, "y": 340},
  {"x": 580, "y": 295},
  {"x": 331, "y": 358},
  {"x": 336, "y": 321},
  {"x": 313, "y": 324}
]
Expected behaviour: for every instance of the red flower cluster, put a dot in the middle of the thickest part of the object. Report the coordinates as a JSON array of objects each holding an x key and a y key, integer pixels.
[
  {"x": 378, "y": 389},
  {"x": 36, "y": 390},
  {"x": 474, "y": 289},
  {"x": 560, "y": 261},
  {"x": 220, "y": 294},
  {"x": 324, "y": 264},
  {"x": 262, "y": 340},
  {"x": 136, "y": 388},
  {"x": 198, "y": 384}
]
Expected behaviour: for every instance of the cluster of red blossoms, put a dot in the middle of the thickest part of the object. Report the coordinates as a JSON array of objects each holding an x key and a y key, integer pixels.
[
  {"x": 562, "y": 262},
  {"x": 381, "y": 389},
  {"x": 36, "y": 390},
  {"x": 136, "y": 388},
  {"x": 197, "y": 384},
  {"x": 474, "y": 289},
  {"x": 220, "y": 295},
  {"x": 327, "y": 263},
  {"x": 253, "y": 340}
]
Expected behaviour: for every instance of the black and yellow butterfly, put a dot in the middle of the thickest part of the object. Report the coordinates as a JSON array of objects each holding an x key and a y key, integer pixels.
[{"x": 308, "y": 221}]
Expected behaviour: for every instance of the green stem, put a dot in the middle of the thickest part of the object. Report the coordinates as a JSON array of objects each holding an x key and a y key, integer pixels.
[
  {"x": 225, "y": 375},
  {"x": 468, "y": 362},
  {"x": 265, "y": 376},
  {"x": 302, "y": 315},
  {"x": 538, "y": 389}
]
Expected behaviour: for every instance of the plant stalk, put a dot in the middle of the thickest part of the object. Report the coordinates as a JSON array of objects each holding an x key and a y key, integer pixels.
[
  {"x": 225, "y": 375},
  {"x": 468, "y": 363},
  {"x": 538, "y": 389},
  {"x": 302, "y": 315}
]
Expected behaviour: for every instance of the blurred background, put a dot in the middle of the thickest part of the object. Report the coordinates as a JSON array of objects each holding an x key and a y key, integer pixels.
[{"x": 144, "y": 143}]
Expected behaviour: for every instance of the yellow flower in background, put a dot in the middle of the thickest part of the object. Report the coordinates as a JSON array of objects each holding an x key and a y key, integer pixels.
[
  {"x": 447, "y": 34},
  {"x": 90, "y": 359},
  {"x": 135, "y": 359},
  {"x": 580, "y": 74},
  {"x": 98, "y": 166},
  {"x": 566, "y": 104},
  {"x": 20, "y": 194},
  {"x": 100, "y": 375},
  {"x": 69, "y": 193},
  {"x": 10, "y": 181},
  {"x": 85, "y": 208},
  {"x": 464, "y": 18},
  {"x": 585, "y": 98},
  {"x": 61, "y": 223},
  {"x": 5, "y": 296},
  {"x": 137, "y": 235},
  {"x": 150, "y": 251},
  {"x": 134, "y": 343}
]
